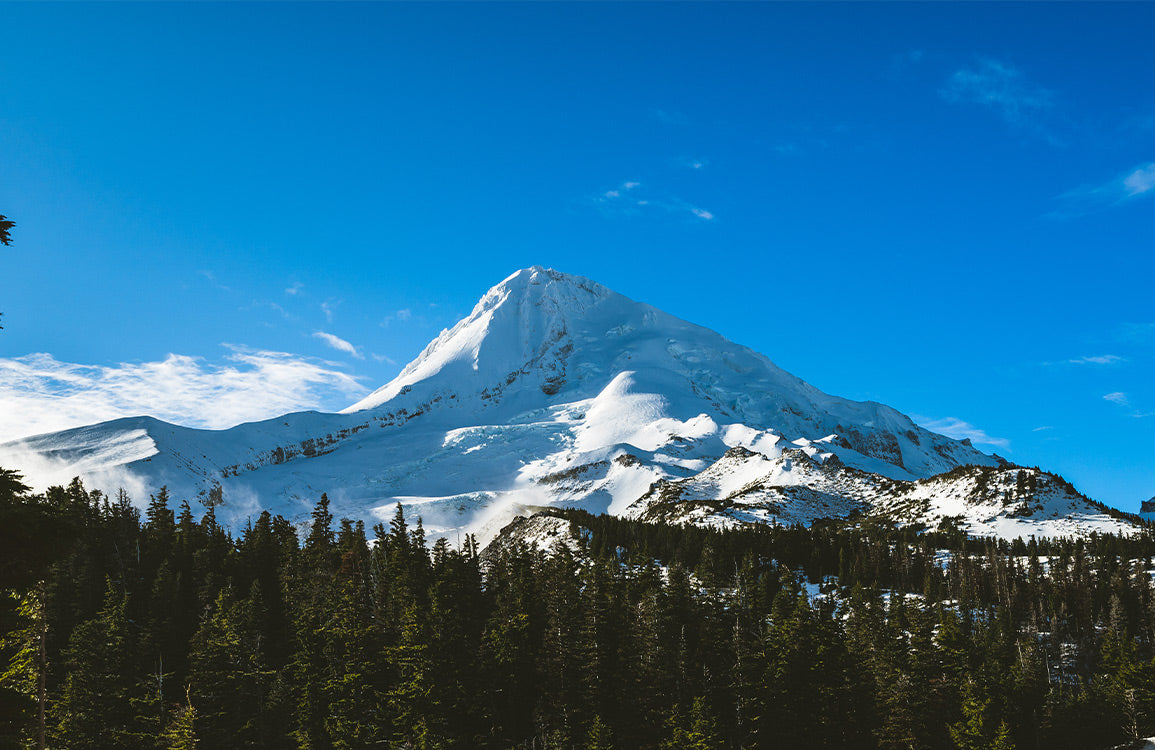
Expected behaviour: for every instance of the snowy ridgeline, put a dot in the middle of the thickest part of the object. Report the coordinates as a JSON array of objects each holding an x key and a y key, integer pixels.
[{"x": 558, "y": 391}]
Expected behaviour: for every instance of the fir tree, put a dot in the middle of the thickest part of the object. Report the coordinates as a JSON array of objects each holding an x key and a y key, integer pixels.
[
  {"x": 599, "y": 736},
  {"x": 181, "y": 733}
]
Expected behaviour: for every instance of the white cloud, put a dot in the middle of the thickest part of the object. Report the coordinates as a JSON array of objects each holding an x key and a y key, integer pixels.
[
  {"x": 627, "y": 199},
  {"x": 295, "y": 288},
  {"x": 42, "y": 394},
  {"x": 956, "y": 428},
  {"x": 328, "y": 310},
  {"x": 1043, "y": 428},
  {"x": 1122, "y": 399},
  {"x": 1104, "y": 359},
  {"x": 1001, "y": 87},
  {"x": 338, "y": 343},
  {"x": 1140, "y": 181}
]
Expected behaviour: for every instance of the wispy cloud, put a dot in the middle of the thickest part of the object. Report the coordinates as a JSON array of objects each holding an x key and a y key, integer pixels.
[
  {"x": 631, "y": 197},
  {"x": 1140, "y": 181},
  {"x": 1044, "y": 428},
  {"x": 42, "y": 394},
  {"x": 259, "y": 303},
  {"x": 1001, "y": 87},
  {"x": 212, "y": 279},
  {"x": 400, "y": 316},
  {"x": 1102, "y": 359},
  {"x": 693, "y": 163},
  {"x": 338, "y": 343},
  {"x": 1135, "y": 183},
  {"x": 294, "y": 289},
  {"x": 956, "y": 428},
  {"x": 1124, "y": 400}
]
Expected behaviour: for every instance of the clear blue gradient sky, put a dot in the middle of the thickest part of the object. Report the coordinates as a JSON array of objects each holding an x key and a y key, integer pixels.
[{"x": 947, "y": 208}]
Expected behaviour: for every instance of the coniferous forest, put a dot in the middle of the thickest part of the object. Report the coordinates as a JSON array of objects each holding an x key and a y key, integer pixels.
[{"x": 168, "y": 631}]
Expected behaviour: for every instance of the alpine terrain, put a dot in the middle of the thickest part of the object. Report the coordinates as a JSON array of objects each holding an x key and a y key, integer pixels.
[{"x": 555, "y": 390}]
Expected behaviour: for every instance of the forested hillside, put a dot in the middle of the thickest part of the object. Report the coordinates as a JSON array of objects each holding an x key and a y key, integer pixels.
[{"x": 168, "y": 631}]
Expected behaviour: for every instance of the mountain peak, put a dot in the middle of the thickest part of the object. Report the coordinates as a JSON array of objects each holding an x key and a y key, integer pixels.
[
  {"x": 543, "y": 340},
  {"x": 514, "y": 326},
  {"x": 554, "y": 389},
  {"x": 538, "y": 286}
]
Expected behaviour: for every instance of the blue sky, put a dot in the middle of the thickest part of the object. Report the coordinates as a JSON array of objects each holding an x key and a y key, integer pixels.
[{"x": 225, "y": 211}]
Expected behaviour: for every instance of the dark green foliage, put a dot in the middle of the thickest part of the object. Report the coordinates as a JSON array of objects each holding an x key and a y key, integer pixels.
[
  {"x": 181, "y": 734},
  {"x": 697, "y": 731},
  {"x": 94, "y": 709},
  {"x": 166, "y": 632}
]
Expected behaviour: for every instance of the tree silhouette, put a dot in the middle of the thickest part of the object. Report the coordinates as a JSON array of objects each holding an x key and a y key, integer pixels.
[{"x": 5, "y": 238}]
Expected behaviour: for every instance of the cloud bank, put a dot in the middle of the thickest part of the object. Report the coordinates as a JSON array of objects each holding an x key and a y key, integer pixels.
[{"x": 41, "y": 394}]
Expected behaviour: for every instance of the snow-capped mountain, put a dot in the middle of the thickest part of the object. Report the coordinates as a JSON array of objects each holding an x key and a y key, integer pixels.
[
  {"x": 801, "y": 486},
  {"x": 554, "y": 389}
]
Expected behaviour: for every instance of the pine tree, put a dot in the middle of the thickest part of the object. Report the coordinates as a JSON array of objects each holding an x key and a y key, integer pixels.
[
  {"x": 181, "y": 733},
  {"x": 410, "y": 699},
  {"x": 22, "y": 671},
  {"x": 599, "y": 736},
  {"x": 508, "y": 645},
  {"x": 355, "y": 705},
  {"x": 1003, "y": 739},
  {"x": 698, "y": 731},
  {"x": 227, "y": 674},
  {"x": 456, "y": 616},
  {"x": 972, "y": 732},
  {"x": 95, "y": 705}
]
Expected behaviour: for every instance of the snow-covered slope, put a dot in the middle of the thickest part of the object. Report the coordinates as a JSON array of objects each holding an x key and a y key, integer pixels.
[
  {"x": 542, "y": 338},
  {"x": 553, "y": 390},
  {"x": 802, "y": 485}
]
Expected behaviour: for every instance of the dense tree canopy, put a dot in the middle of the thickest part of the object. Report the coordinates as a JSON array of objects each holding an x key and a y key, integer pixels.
[{"x": 167, "y": 631}]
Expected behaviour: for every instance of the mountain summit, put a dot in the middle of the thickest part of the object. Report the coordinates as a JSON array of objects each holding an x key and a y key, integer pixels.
[
  {"x": 554, "y": 389},
  {"x": 542, "y": 338}
]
